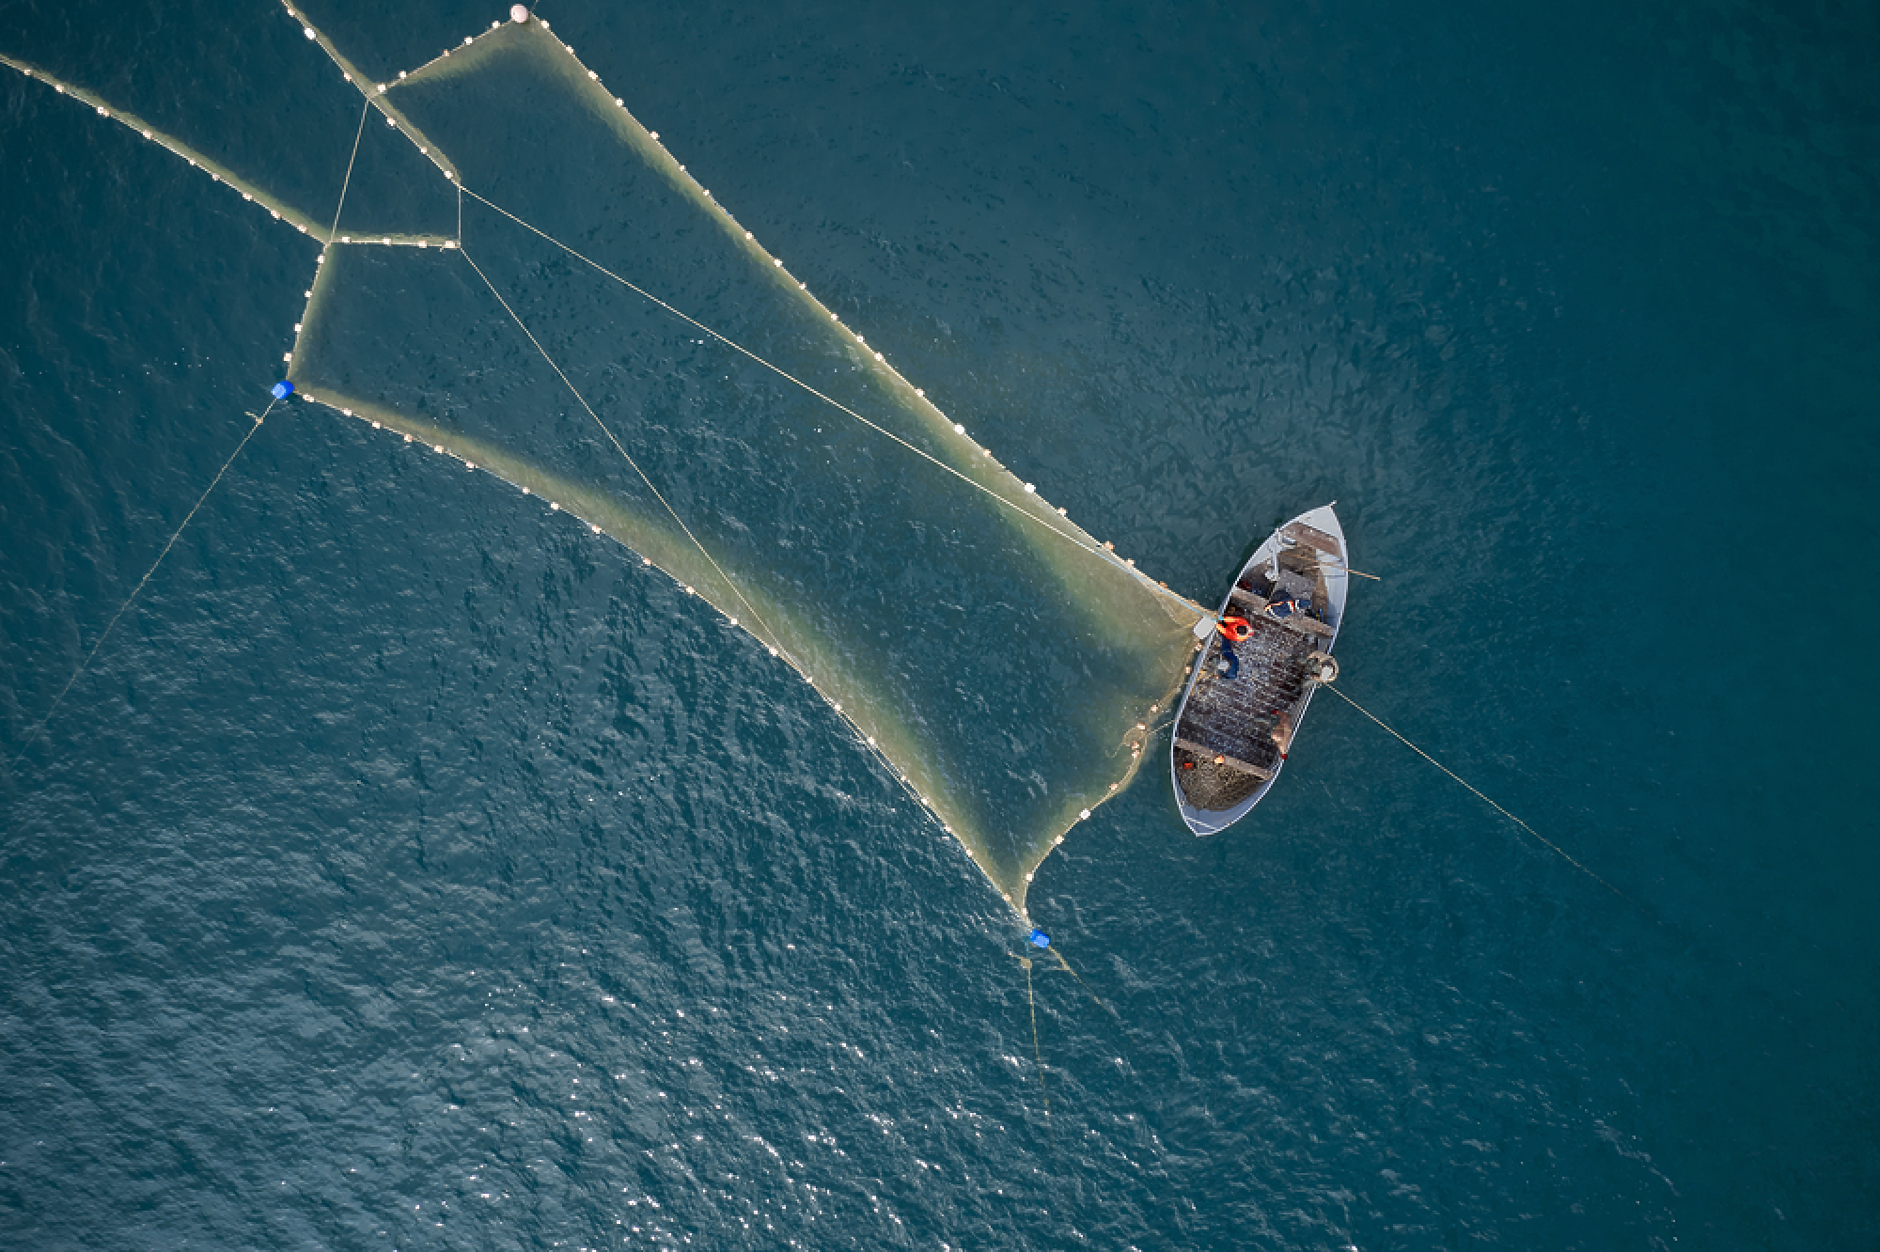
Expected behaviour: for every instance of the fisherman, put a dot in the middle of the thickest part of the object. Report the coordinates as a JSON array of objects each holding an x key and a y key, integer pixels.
[
  {"x": 1233, "y": 629},
  {"x": 1284, "y": 607}
]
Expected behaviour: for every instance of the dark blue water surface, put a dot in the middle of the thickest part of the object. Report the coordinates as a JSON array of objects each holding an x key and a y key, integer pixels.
[{"x": 407, "y": 872}]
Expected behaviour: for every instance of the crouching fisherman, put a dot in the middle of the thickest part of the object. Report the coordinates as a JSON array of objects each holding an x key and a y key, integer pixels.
[{"x": 1232, "y": 630}]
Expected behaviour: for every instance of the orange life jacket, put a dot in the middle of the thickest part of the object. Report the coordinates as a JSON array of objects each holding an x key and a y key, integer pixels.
[{"x": 1235, "y": 628}]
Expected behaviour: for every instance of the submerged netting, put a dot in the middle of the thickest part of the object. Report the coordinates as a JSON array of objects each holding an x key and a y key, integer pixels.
[{"x": 534, "y": 318}]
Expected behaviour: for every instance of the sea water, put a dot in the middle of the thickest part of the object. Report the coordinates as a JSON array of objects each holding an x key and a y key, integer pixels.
[{"x": 408, "y": 871}]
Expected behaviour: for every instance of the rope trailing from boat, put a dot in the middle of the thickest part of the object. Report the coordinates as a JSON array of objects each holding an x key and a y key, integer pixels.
[
  {"x": 1094, "y": 550},
  {"x": 1346, "y": 569},
  {"x": 1066, "y": 967},
  {"x": 85, "y": 664},
  {"x": 1555, "y": 848},
  {"x": 1037, "y": 1053},
  {"x": 774, "y": 641}
]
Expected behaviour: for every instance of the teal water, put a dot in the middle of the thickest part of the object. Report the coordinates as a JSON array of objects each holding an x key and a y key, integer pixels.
[{"x": 407, "y": 873}]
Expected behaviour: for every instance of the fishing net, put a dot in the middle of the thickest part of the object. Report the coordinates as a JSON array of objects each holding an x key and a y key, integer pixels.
[{"x": 521, "y": 277}]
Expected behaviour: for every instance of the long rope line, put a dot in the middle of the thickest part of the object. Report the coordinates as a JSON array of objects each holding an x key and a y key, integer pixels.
[
  {"x": 1037, "y": 1053},
  {"x": 757, "y": 617},
  {"x": 1537, "y": 836},
  {"x": 364, "y": 112},
  {"x": 1066, "y": 966},
  {"x": 1346, "y": 569},
  {"x": 838, "y": 405},
  {"x": 85, "y": 664}
]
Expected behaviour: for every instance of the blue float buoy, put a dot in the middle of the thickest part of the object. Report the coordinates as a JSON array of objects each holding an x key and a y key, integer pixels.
[
  {"x": 283, "y": 389},
  {"x": 1040, "y": 940}
]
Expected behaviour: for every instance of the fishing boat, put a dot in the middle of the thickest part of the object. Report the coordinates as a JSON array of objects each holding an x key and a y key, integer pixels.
[{"x": 1246, "y": 697}]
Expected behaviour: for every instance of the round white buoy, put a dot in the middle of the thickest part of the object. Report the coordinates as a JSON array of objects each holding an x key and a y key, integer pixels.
[
  {"x": 1030, "y": 489},
  {"x": 958, "y": 429}
]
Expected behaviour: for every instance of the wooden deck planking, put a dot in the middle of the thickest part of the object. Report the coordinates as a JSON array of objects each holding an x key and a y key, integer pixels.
[{"x": 1236, "y": 718}]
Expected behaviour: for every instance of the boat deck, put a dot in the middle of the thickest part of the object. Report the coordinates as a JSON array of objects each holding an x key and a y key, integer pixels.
[{"x": 1234, "y": 719}]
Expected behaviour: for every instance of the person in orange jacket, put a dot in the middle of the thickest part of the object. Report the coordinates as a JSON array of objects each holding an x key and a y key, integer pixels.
[{"x": 1233, "y": 630}]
